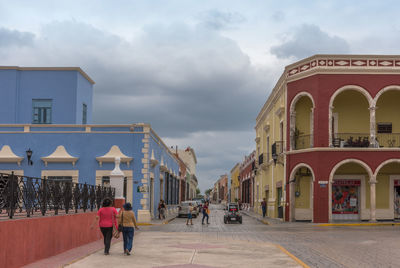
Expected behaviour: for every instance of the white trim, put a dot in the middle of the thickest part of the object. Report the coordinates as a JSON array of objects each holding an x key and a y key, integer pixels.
[
  {"x": 385, "y": 163},
  {"x": 60, "y": 155},
  {"x": 383, "y": 90},
  {"x": 8, "y": 156},
  {"x": 110, "y": 156}
]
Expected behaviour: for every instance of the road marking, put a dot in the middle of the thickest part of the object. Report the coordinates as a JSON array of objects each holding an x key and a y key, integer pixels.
[
  {"x": 292, "y": 256},
  {"x": 359, "y": 224}
]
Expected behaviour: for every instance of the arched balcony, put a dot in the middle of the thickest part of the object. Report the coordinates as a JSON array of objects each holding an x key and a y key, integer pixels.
[{"x": 302, "y": 121}]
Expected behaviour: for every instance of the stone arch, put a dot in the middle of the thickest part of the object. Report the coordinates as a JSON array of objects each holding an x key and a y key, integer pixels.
[
  {"x": 293, "y": 116},
  {"x": 384, "y": 163},
  {"x": 335, "y": 168},
  {"x": 383, "y": 90},
  {"x": 351, "y": 160},
  {"x": 362, "y": 90},
  {"x": 292, "y": 211}
]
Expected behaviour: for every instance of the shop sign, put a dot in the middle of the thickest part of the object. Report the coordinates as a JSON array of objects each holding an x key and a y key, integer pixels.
[
  {"x": 346, "y": 182},
  {"x": 142, "y": 189}
]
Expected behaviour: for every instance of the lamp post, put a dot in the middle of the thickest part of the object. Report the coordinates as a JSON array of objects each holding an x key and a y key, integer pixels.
[{"x": 29, "y": 155}]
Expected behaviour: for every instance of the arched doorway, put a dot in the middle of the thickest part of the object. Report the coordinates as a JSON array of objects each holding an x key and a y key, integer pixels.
[
  {"x": 388, "y": 190},
  {"x": 349, "y": 193},
  {"x": 301, "y": 193}
]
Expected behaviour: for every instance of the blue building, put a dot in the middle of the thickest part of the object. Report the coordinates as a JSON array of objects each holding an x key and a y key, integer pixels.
[{"x": 48, "y": 111}]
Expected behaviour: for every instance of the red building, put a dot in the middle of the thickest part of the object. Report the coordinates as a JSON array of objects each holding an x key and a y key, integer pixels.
[{"x": 246, "y": 181}]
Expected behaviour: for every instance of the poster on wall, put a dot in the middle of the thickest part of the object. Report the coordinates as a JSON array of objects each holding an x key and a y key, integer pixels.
[{"x": 345, "y": 196}]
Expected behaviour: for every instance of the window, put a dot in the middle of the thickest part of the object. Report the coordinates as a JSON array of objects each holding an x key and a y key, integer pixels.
[
  {"x": 105, "y": 181},
  {"x": 84, "y": 114},
  {"x": 384, "y": 127},
  {"x": 60, "y": 178},
  {"x": 41, "y": 111}
]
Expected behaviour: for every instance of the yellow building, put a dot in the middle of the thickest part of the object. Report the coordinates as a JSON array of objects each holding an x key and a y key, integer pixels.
[{"x": 235, "y": 183}]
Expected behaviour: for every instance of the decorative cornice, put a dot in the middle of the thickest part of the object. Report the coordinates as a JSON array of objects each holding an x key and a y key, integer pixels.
[
  {"x": 153, "y": 161},
  {"x": 8, "y": 156},
  {"x": 60, "y": 155},
  {"x": 112, "y": 154}
]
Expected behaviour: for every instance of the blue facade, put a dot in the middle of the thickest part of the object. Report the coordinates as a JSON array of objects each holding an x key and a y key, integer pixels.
[{"x": 69, "y": 90}]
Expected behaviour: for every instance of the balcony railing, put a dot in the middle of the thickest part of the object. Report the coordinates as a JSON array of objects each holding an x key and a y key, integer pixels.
[
  {"x": 351, "y": 140},
  {"x": 24, "y": 196},
  {"x": 389, "y": 140},
  {"x": 260, "y": 159},
  {"x": 302, "y": 142}
]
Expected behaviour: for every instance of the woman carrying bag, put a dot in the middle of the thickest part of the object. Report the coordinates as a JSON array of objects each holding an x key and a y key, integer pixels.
[
  {"x": 126, "y": 222},
  {"x": 106, "y": 216}
]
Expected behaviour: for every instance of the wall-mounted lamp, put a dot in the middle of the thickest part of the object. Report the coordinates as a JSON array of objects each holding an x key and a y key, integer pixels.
[{"x": 29, "y": 155}]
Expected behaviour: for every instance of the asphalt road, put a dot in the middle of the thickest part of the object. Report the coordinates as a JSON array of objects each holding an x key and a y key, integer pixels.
[{"x": 360, "y": 246}]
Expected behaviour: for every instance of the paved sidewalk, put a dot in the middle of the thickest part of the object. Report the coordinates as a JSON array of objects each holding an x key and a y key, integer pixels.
[
  {"x": 165, "y": 249},
  {"x": 266, "y": 220}
]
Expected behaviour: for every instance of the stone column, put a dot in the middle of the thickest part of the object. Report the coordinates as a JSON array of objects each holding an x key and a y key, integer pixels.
[
  {"x": 292, "y": 129},
  {"x": 372, "y": 184},
  {"x": 312, "y": 128},
  {"x": 292, "y": 200},
  {"x": 331, "y": 130},
  {"x": 117, "y": 182},
  {"x": 372, "y": 126}
]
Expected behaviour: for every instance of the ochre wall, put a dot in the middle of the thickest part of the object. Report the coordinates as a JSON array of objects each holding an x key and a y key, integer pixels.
[
  {"x": 27, "y": 240},
  {"x": 303, "y": 201}
]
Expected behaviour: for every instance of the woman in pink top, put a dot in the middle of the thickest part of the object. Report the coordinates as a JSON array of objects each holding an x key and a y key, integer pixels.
[{"x": 107, "y": 215}]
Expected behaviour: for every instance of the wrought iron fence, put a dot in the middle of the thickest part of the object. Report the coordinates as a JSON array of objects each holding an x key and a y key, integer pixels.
[
  {"x": 302, "y": 142},
  {"x": 351, "y": 140},
  {"x": 27, "y": 195},
  {"x": 388, "y": 140}
]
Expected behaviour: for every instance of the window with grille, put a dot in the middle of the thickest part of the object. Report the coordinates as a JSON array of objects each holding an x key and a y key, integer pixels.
[
  {"x": 84, "y": 114},
  {"x": 41, "y": 111}
]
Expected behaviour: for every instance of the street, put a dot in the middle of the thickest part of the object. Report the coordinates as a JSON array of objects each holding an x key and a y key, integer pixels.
[{"x": 254, "y": 244}]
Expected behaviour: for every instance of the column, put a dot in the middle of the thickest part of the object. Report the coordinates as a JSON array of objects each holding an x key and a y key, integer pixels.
[
  {"x": 372, "y": 126},
  {"x": 292, "y": 201},
  {"x": 292, "y": 129},
  {"x": 331, "y": 130},
  {"x": 312, "y": 128},
  {"x": 372, "y": 184},
  {"x": 117, "y": 182}
]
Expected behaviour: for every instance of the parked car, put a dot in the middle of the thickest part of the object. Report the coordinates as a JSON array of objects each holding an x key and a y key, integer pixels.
[
  {"x": 232, "y": 213},
  {"x": 183, "y": 209}
]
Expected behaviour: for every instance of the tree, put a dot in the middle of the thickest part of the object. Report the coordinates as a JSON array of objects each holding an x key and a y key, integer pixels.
[
  {"x": 208, "y": 191},
  {"x": 197, "y": 191}
]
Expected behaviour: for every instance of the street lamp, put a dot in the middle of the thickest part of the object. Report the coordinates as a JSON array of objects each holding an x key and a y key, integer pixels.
[{"x": 29, "y": 155}]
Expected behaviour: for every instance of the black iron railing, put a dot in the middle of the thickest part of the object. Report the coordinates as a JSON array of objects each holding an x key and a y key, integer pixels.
[
  {"x": 351, "y": 140},
  {"x": 302, "y": 142},
  {"x": 389, "y": 140},
  {"x": 27, "y": 195}
]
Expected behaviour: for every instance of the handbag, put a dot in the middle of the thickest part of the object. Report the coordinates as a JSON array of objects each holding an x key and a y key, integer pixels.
[{"x": 121, "y": 226}]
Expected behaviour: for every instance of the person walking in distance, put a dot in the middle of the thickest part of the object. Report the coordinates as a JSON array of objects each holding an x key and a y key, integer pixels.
[
  {"x": 189, "y": 216},
  {"x": 205, "y": 212},
  {"x": 162, "y": 209},
  {"x": 127, "y": 219},
  {"x": 264, "y": 207},
  {"x": 107, "y": 217}
]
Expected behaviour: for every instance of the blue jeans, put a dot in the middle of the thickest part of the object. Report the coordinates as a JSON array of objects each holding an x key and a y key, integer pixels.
[
  {"x": 204, "y": 216},
  {"x": 264, "y": 211},
  {"x": 127, "y": 234}
]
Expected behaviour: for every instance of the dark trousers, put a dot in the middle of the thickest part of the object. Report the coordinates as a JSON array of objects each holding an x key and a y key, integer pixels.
[
  {"x": 107, "y": 234},
  {"x": 264, "y": 210},
  {"x": 127, "y": 234},
  {"x": 204, "y": 216}
]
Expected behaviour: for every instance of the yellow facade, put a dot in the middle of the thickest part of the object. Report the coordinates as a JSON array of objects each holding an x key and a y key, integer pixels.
[
  {"x": 270, "y": 129},
  {"x": 235, "y": 183}
]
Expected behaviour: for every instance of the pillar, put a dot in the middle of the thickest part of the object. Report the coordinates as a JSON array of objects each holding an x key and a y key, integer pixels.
[
  {"x": 117, "y": 182},
  {"x": 292, "y": 200},
  {"x": 372, "y": 184},
  {"x": 292, "y": 129},
  {"x": 372, "y": 126}
]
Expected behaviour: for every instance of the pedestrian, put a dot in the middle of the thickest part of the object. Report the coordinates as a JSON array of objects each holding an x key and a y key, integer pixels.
[
  {"x": 206, "y": 212},
  {"x": 127, "y": 219},
  {"x": 107, "y": 218},
  {"x": 189, "y": 216},
  {"x": 264, "y": 207},
  {"x": 240, "y": 204},
  {"x": 159, "y": 210},
  {"x": 162, "y": 208}
]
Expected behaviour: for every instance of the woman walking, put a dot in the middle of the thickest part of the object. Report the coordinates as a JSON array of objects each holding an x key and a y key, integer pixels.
[
  {"x": 205, "y": 212},
  {"x": 107, "y": 217},
  {"x": 127, "y": 219}
]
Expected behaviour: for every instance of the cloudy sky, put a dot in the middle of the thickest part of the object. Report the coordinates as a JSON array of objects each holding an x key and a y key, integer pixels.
[{"x": 197, "y": 71}]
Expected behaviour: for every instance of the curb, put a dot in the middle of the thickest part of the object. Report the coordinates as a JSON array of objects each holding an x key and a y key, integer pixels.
[
  {"x": 292, "y": 256},
  {"x": 169, "y": 220},
  {"x": 258, "y": 219},
  {"x": 359, "y": 224}
]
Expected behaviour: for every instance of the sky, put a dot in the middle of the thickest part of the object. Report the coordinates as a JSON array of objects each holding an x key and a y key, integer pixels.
[{"x": 197, "y": 71}]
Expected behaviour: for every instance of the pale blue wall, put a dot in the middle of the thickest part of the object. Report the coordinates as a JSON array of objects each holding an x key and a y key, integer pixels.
[{"x": 67, "y": 89}]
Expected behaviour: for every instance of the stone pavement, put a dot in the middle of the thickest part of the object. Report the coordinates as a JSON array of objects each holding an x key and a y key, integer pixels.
[{"x": 165, "y": 249}]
